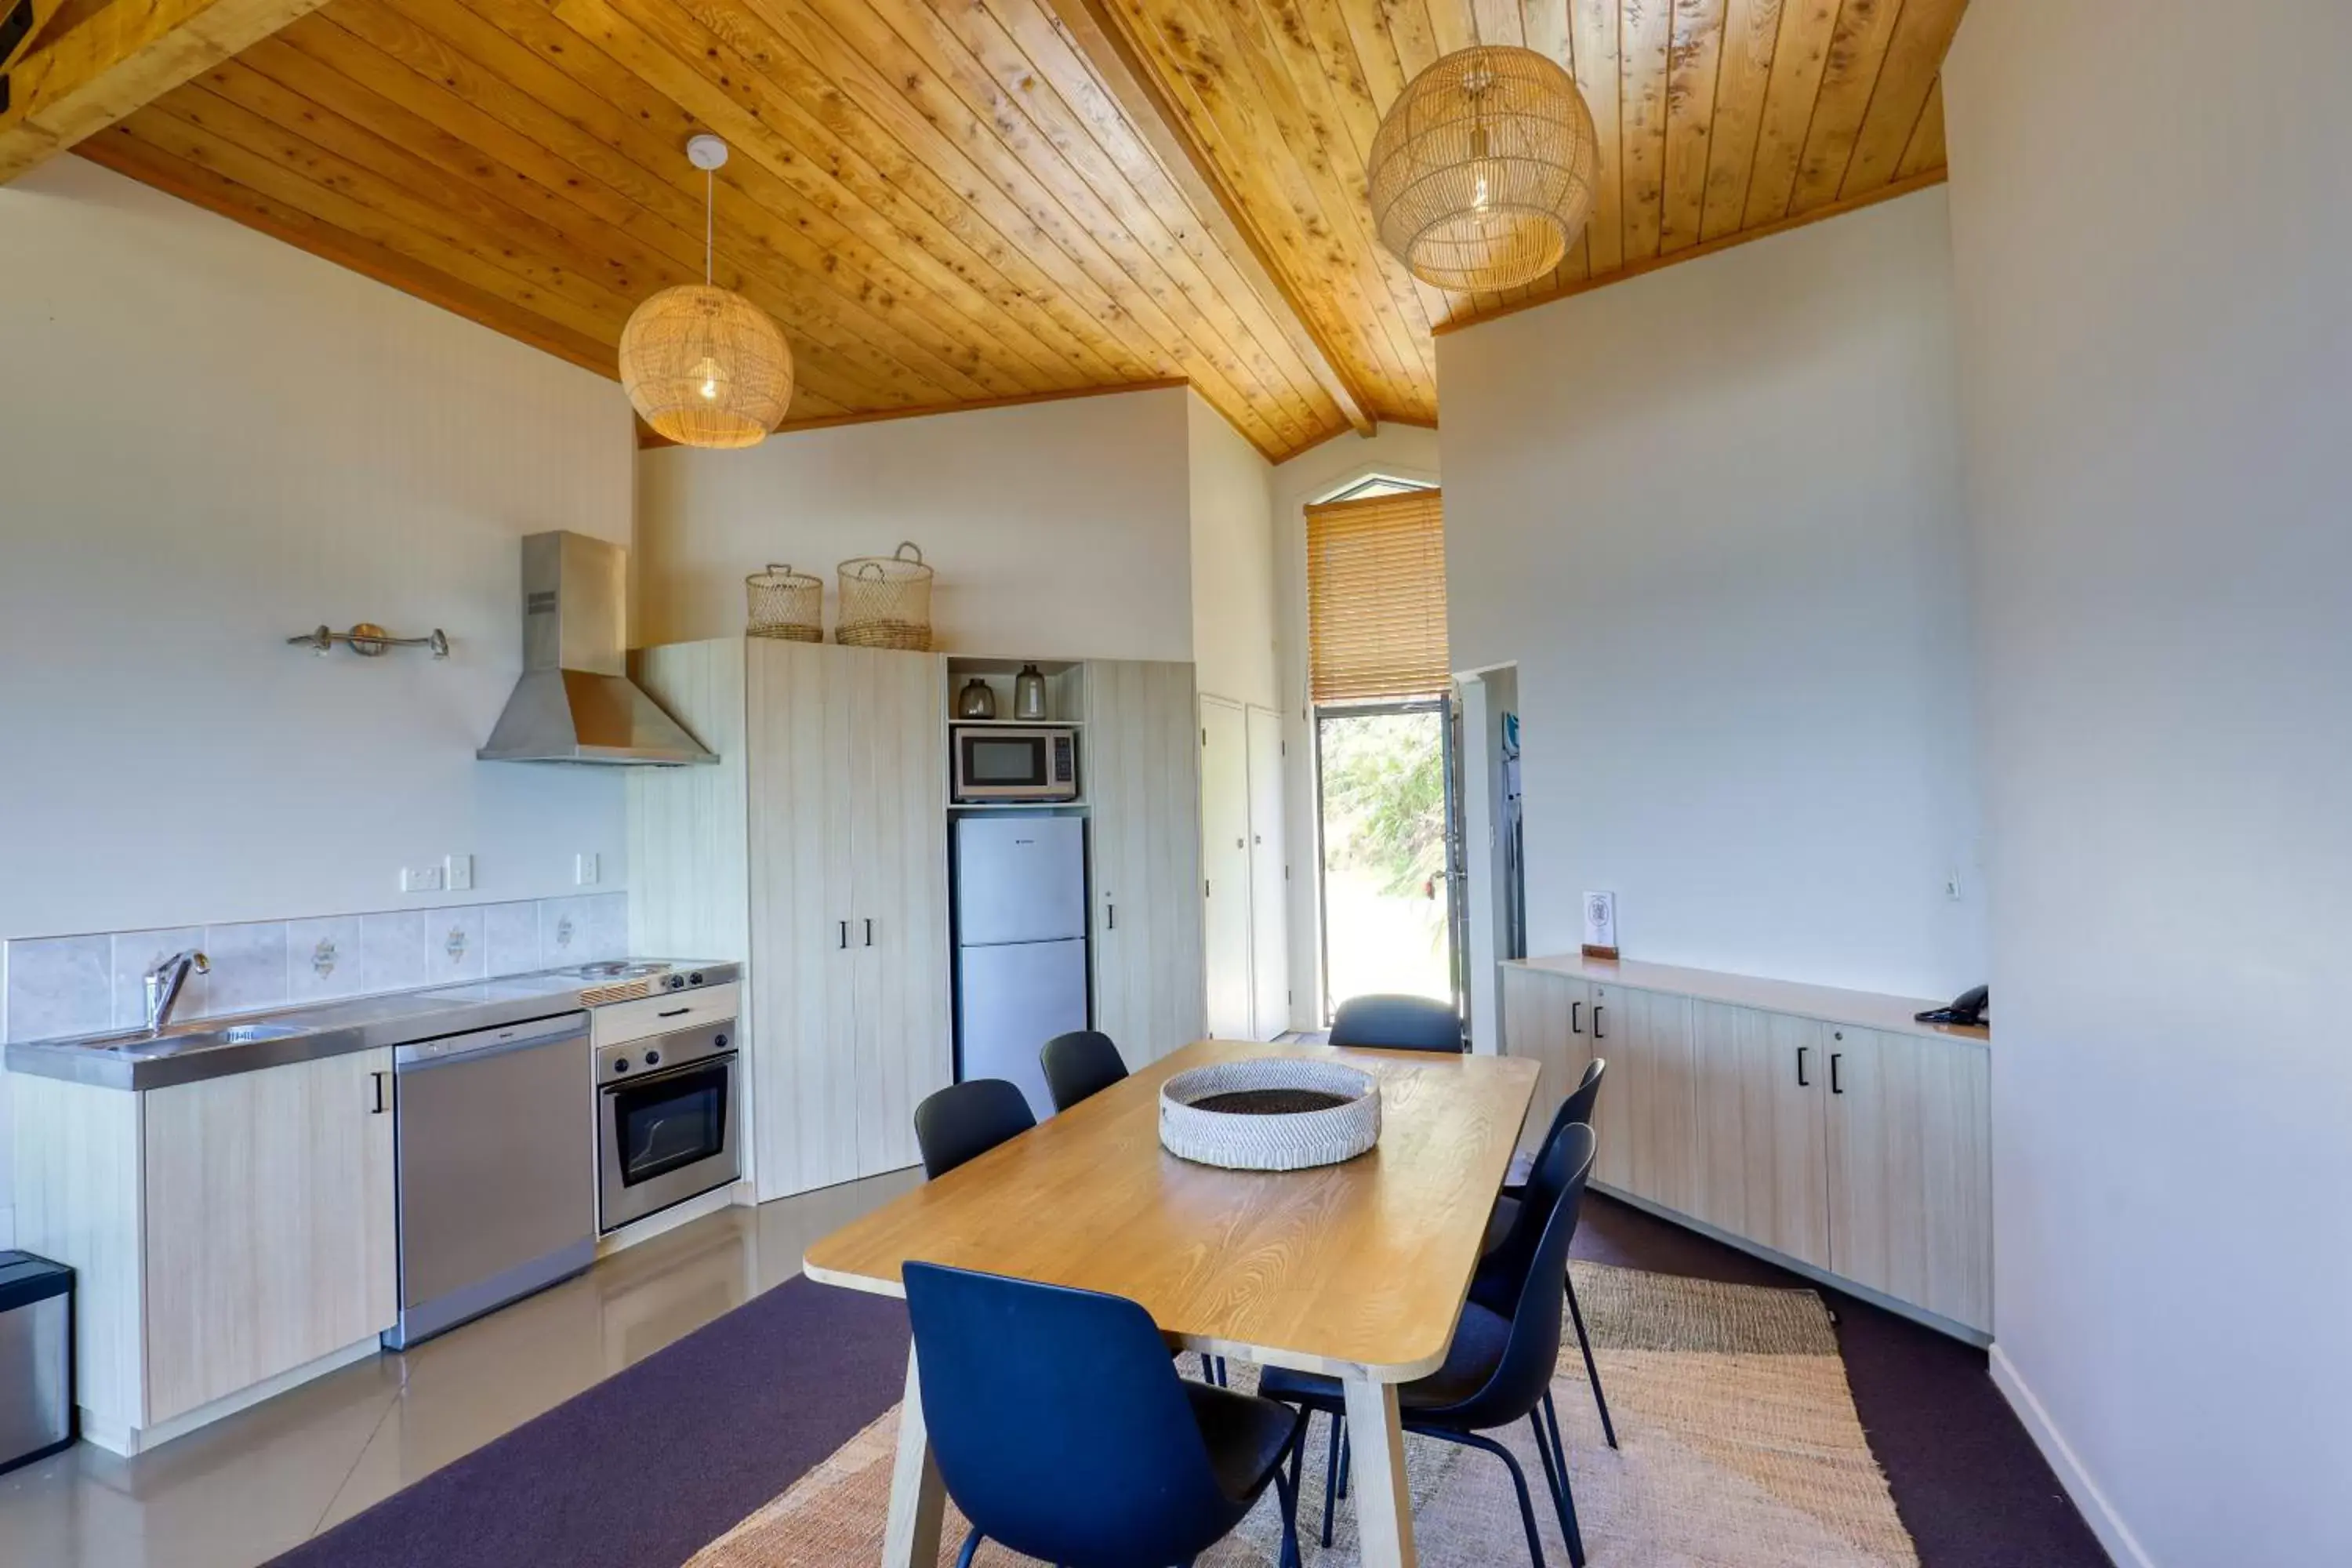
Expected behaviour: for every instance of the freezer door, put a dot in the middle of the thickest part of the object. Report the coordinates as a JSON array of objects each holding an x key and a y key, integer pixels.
[
  {"x": 1020, "y": 879},
  {"x": 1010, "y": 1000}
]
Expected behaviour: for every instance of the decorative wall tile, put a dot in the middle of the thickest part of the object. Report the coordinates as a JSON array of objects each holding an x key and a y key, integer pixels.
[
  {"x": 566, "y": 931},
  {"x": 324, "y": 959},
  {"x": 60, "y": 985},
  {"x": 510, "y": 932},
  {"x": 393, "y": 948},
  {"x": 608, "y": 925},
  {"x": 454, "y": 945},
  {"x": 249, "y": 967},
  {"x": 136, "y": 955}
]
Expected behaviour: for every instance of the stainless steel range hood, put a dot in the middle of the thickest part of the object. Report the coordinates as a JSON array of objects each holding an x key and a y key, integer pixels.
[{"x": 575, "y": 702}]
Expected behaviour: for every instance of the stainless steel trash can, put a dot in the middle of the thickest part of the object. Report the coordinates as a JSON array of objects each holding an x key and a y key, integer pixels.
[{"x": 36, "y": 1384}]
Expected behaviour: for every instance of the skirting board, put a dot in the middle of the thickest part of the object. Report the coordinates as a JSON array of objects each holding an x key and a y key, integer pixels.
[
  {"x": 131, "y": 1441},
  {"x": 1919, "y": 1315},
  {"x": 2096, "y": 1511}
]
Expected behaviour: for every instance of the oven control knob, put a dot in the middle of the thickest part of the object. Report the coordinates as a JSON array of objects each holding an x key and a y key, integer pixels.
[
  {"x": 719, "y": 1042},
  {"x": 620, "y": 1064},
  {"x": 676, "y": 982},
  {"x": 695, "y": 978},
  {"x": 653, "y": 1059}
]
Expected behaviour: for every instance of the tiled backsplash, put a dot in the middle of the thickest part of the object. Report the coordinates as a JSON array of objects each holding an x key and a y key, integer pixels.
[{"x": 81, "y": 984}]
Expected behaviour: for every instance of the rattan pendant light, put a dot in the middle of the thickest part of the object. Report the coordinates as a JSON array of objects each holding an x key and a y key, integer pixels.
[
  {"x": 1481, "y": 174},
  {"x": 702, "y": 364}
]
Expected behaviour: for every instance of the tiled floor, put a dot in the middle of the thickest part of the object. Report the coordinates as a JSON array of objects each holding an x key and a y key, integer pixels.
[{"x": 244, "y": 1490}]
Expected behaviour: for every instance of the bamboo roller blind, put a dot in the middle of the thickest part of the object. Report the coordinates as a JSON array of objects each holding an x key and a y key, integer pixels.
[{"x": 1376, "y": 599}]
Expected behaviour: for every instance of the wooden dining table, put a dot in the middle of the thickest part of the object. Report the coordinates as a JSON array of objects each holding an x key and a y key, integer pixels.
[{"x": 1357, "y": 1270}]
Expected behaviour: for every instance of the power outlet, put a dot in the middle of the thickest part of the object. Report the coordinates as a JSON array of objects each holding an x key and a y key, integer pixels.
[
  {"x": 420, "y": 879},
  {"x": 587, "y": 869},
  {"x": 1952, "y": 886},
  {"x": 458, "y": 873}
]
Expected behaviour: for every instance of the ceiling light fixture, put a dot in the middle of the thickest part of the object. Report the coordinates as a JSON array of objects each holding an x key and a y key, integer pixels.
[
  {"x": 1481, "y": 174},
  {"x": 702, "y": 364}
]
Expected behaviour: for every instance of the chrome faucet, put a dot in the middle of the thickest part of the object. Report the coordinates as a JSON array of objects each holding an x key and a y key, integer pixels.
[{"x": 163, "y": 984}]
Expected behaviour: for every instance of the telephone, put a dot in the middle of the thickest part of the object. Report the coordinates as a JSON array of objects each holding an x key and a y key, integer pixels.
[{"x": 1968, "y": 1009}]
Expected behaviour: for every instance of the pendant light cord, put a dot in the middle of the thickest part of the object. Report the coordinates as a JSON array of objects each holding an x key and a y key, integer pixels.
[{"x": 710, "y": 198}]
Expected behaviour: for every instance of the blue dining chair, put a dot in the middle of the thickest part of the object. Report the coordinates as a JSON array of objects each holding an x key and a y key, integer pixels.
[
  {"x": 1398, "y": 1023},
  {"x": 1062, "y": 1431},
  {"x": 965, "y": 1121},
  {"x": 1500, "y": 1365},
  {"x": 1511, "y": 1237},
  {"x": 1079, "y": 1064}
]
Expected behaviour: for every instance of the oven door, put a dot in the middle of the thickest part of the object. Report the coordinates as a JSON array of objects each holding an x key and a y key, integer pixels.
[{"x": 665, "y": 1138}]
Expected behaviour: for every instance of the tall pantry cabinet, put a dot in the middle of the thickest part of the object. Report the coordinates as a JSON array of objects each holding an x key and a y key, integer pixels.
[
  {"x": 1140, "y": 766},
  {"x": 815, "y": 852}
]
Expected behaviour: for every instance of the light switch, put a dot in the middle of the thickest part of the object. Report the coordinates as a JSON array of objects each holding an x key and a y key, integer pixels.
[
  {"x": 459, "y": 873},
  {"x": 586, "y": 869}
]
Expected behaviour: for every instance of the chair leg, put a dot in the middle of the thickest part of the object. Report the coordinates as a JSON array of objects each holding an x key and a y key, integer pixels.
[
  {"x": 1552, "y": 1420},
  {"x": 1563, "y": 1501},
  {"x": 1286, "y": 1489},
  {"x": 1584, "y": 1342},
  {"x": 1347, "y": 1458},
  {"x": 1518, "y": 1481},
  {"x": 1332, "y": 1476},
  {"x": 971, "y": 1545}
]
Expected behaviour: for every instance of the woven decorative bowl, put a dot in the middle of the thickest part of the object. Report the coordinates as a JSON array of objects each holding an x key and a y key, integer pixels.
[{"x": 1270, "y": 1114}]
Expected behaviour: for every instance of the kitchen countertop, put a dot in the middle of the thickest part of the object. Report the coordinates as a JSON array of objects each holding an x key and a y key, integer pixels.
[
  {"x": 1857, "y": 1009},
  {"x": 216, "y": 1047}
]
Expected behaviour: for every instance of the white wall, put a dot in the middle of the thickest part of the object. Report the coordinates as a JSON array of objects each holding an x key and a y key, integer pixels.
[
  {"x": 1233, "y": 561},
  {"x": 2151, "y": 222},
  {"x": 1058, "y": 529},
  {"x": 208, "y": 441},
  {"x": 1713, "y": 515},
  {"x": 1399, "y": 451}
]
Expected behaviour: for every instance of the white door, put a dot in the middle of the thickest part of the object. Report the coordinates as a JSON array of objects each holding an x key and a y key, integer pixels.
[
  {"x": 1225, "y": 864},
  {"x": 1269, "y": 878}
]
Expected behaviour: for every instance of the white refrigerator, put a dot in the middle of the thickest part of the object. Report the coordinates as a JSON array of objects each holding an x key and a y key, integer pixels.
[{"x": 1020, "y": 944}]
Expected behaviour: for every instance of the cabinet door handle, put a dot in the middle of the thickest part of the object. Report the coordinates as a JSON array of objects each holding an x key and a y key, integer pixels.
[
  {"x": 1597, "y": 1011},
  {"x": 674, "y": 1013},
  {"x": 1802, "y": 1081},
  {"x": 1835, "y": 1058},
  {"x": 1576, "y": 1017},
  {"x": 869, "y": 932},
  {"x": 1110, "y": 917},
  {"x": 378, "y": 1079},
  {"x": 845, "y": 936}
]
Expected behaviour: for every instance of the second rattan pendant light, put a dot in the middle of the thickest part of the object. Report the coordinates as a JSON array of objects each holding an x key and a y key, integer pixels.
[
  {"x": 1482, "y": 173},
  {"x": 702, "y": 364}
]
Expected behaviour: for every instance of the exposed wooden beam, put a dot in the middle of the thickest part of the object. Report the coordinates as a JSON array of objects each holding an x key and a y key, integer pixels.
[
  {"x": 21, "y": 22},
  {"x": 117, "y": 60},
  {"x": 648, "y": 438},
  {"x": 1099, "y": 35}
]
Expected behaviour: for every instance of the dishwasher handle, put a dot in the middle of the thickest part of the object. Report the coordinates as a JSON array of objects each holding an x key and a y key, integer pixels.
[{"x": 457, "y": 1050}]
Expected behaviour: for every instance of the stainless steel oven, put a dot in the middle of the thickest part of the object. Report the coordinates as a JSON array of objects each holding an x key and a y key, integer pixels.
[
  {"x": 1005, "y": 762},
  {"x": 666, "y": 1121}
]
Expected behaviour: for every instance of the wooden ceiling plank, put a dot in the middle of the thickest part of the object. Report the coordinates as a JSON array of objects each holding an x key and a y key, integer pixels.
[
  {"x": 1592, "y": 29},
  {"x": 1693, "y": 62},
  {"x": 995, "y": 73},
  {"x": 1857, "y": 50},
  {"x": 34, "y": 17},
  {"x": 1915, "y": 59},
  {"x": 1498, "y": 22},
  {"x": 1543, "y": 27},
  {"x": 1229, "y": 66},
  {"x": 126, "y": 154},
  {"x": 1800, "y": 56},
  {"x": 79, "y": 79},
  {"x": 1413, "y": 28},
  {"x": 1751, "y": 30},
  {"x": 1643, "y": 44},
  {"x": 1354, "y": 36},
  {"x": 1129, "y": 97},
  {"x": 1451, "y": 25},
  {"x": 1283, "y": 204},
  {"x": 1924, "y": 154},
  {"x": 976, "y": 297}
]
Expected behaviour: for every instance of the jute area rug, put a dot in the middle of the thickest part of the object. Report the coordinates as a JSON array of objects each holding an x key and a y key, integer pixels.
[{"x": 1741, "y": 1449}]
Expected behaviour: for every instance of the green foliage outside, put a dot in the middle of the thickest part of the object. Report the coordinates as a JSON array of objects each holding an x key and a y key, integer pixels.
[{"x": 1384, "y": 800}]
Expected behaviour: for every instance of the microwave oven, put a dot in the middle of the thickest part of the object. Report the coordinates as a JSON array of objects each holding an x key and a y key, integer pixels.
[{"x": 1012, "y": 762}]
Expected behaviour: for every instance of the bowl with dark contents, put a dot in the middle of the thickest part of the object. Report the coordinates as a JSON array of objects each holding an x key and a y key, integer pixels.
[{"x": 1270, "y": 1114}]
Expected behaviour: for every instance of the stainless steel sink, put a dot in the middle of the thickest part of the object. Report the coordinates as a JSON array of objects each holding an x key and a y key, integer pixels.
[{"x": 145, "y": 1046}]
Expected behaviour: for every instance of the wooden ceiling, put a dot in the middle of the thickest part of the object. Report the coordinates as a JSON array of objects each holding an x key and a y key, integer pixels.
[{"x": 957, "y": 202}]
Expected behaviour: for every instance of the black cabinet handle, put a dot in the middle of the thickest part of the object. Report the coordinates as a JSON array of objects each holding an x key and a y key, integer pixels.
[
  {"x": 869, "y": 932},
  {"x": 1596, "y": 1022},
  {"x": 1576, "y": 1017},
  {"x": 1110, "y": 917},
  {"x": 1802, "y": 1081},
  {"x": 674, "y": 1013},
  {"x": 379, "y": 1093},
  {"x": 845, "y": 936},
  {"x": 1835, "y": 1058}
]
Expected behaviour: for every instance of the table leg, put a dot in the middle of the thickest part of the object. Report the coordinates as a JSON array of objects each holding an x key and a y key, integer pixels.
[
  {"x": 917, "y": 1498},
  {"x": 1383, "y": 1505}
]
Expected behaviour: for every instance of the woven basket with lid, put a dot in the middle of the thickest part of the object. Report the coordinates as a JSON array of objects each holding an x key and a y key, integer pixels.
[{"x": 885, "y": 601}]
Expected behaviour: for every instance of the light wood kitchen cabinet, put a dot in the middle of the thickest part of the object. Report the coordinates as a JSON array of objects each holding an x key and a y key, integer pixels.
[
  {"x": 270, "y": 1225},
  {"x": 815, "y": 852},
  {"x": 1859, "y": 1154},
  {"x": 1140, "y": 768},
  {"x": 1910, "y": 1177}
]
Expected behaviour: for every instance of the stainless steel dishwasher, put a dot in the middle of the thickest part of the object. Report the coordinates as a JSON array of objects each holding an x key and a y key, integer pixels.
[{"x": 496, "y": 1162}]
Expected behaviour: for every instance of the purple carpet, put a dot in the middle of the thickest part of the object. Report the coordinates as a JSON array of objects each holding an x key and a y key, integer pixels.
[{"x": 649, "y": 1466}]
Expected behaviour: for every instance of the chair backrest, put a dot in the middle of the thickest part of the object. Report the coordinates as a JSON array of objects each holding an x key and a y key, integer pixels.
[
  {"x": 965, "y": 1121},
  {"x": 1058, "y": 1420},
  {"x": 1398, "y": 1023},
  {"x": 1081, "y": 1063},
  {"x": 1531, "y": 1351},
  {"x": 1510, "y": 1261}
]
